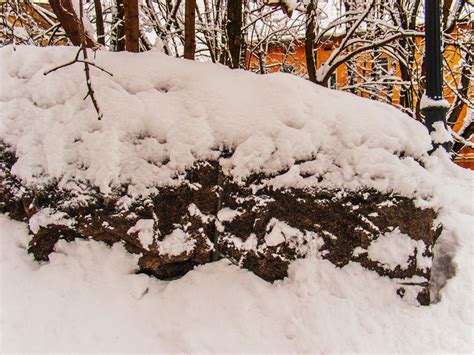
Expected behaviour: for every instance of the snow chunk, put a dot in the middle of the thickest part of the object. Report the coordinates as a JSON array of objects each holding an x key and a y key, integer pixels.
[
  {"x": 47, "y": 216},
  {"x": 195, "y": 211},
  {"x": 358, "y": 251},
  {"x": 176, "y": 243},
  {"x": 250, "y": 243},
  {"x": 440, "y": 134},
  {"x": 278, "y": 232},
  {"x": 144, "y": 227},
  {"x": 227, "y": 214},
  {"x": 394, "y": 249},
  {"x": 427, "y": 102}
]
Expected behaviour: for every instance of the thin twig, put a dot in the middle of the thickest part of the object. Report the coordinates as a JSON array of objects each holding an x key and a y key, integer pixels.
[
  {"x": 83, "y": 49},
  {"x": 65, "y": 64},
  {"x": 94, "y": 65},
  {"x": 90, "y": 90}
]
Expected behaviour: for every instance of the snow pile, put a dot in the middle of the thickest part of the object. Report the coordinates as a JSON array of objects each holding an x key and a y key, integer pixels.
[
  {"x": 395, "y": 249},
  {"x": 87, "y": 299},
  {"x": 162, "y": 115},
  {"x": 47, "y": 216},
  {"x": 176, "y": 243},
  {"x": 144, "y": 228}
]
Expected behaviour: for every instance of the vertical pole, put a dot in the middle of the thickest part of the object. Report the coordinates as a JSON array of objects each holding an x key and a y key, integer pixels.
[{"x": 434, "y": 112}]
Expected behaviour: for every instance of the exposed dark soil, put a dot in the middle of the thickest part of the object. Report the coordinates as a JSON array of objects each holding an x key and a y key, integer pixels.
[{"x": 340, "y": 221}]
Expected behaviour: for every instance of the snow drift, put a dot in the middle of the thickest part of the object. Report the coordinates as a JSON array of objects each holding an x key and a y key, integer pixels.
[
  {"x": 193, "y": 161},
  {"x": 162, "y": 115}
]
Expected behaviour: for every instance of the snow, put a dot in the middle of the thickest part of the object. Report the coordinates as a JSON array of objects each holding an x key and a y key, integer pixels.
[
  {"x": 269, "y": 122},
  {"x": 227, "y": 214},
  {"x": 48, "y": 216},
  {"x": 88, "y": 299},
  {"x": 427, "y": 102},
  {"x": 176, "y": 243},
  {"x": 163, "y": 115},
  {"x": 276, "y": 235},
  {"x": 144, "y": 227},
  {"x": 394, "y": 249},
  {"x": 440, "y": 134},
  {"x": 304, "y": 242}
]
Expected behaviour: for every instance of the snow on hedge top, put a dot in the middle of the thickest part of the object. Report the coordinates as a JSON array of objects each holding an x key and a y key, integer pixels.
[{"x": 162, "y": 115}]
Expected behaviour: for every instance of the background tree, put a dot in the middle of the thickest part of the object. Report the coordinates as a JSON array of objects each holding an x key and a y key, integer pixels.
[
  {"x": 132, "y": 25},
  {"x": 71, "y": 24},
  {"x": 234, "y": 32},
  {"x": 190, "y": 29}
]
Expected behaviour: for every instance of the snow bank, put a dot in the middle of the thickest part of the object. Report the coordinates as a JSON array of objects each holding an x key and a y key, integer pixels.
[
  {"x": 162, "y": 115},
  {"x": 87, "y": 299}
]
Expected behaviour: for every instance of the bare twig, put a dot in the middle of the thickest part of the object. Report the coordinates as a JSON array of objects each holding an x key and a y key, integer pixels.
[{"x": 83, "y": 49}]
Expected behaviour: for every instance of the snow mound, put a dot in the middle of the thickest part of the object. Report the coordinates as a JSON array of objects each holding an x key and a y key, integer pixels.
[
  {"x": 88, "y": 299},
  {"x": 162, "y": 115}
]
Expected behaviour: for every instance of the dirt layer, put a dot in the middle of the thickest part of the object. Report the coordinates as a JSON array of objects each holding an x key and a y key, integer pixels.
[{"x": 338, "y": 225}]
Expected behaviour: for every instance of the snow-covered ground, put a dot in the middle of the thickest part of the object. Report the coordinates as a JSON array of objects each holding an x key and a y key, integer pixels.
[
  {"x": 87, "y": 298},
  {"x": 161, "y": 115}
]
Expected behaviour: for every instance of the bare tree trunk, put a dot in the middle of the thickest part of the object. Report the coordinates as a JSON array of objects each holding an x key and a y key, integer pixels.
[
  {"x": 119, "y": 27},
  {"x": 234, "y": 35},
  {"x": 132, "y": 30},
  {"x": 309, "y": 40},
  {"x": 190, "y": 29},
  {"x": 99, "y": 21},
  {"x": 66, "y": 15}
]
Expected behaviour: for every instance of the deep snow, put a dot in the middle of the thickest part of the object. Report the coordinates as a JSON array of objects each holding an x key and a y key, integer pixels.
[
  {"x": 87, "y": 298},
  {"x": 161, "y": 115}
]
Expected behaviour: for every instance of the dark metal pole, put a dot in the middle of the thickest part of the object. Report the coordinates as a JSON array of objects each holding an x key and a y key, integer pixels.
[{"x": 434, "y": 111}]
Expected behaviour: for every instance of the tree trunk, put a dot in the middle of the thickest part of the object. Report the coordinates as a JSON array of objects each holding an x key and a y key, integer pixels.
[
  {"x": 189, "y": 29},
  {"x": 99, "y": 21},
  {"x": 119, "y": 27},
  {"x": 233, "y": 29},
  {"x": 309, "y": 40},
  {"x": 132, "y": 30},
  {"x": 69, "y": 20}
]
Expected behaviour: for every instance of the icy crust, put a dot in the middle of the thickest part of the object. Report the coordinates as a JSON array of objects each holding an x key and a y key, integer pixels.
[{"x": 163, "y": 115}]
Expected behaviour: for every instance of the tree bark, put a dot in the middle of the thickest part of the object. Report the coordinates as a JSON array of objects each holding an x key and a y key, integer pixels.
[
  {"x": 190, "y": 29},
  {"x": 234, "y": 35},
  {"x": 69, "y": 20},
  {"x": 309, "y": 40},
  {"x": 119, "y": 27},
  {"x": 132, "y": 30},
  {"x": 99, "y": 21}
]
